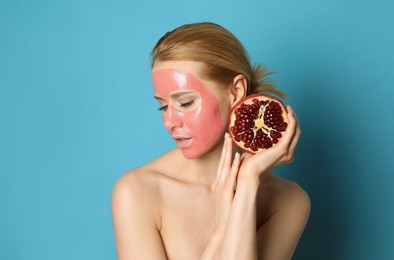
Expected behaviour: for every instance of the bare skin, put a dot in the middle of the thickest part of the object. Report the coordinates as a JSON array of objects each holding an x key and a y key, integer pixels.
[{"x": 179, "y": 208}]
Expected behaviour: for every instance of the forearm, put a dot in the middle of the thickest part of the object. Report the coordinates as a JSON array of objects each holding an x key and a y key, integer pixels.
[
  {"x": 212, "y": 249},
  {"x": 239, "y": 241}
]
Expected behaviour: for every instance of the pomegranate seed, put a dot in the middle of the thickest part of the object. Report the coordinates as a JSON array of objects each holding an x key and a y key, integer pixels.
[{"x": 258, "y": 122}]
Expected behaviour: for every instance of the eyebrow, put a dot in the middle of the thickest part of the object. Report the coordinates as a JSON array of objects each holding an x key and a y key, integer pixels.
[{"x": 176, "y": 94}]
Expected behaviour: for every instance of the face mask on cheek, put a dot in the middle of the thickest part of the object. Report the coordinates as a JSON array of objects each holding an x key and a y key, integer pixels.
[{"x": 202, "y": 126}]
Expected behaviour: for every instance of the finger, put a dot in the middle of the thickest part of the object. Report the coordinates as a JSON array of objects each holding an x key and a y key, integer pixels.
[
  {"x": 234, "y": 171},
  {"x": 292, "y": 112},
  {"x": 297, "y": 133},
  {"x": 227, "y": 159},
  {"x": 291, "y": 129},
  {"x": 245, "y": 155},
  {"x": 222, "y": 156},
  {"x": 281, "y": 153},
  {"x": 293, "y": 145},
  {"x": 291, "y": 137}
]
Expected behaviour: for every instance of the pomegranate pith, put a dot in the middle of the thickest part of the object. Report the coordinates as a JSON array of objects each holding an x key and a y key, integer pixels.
[{"x": 258, "y": 122}]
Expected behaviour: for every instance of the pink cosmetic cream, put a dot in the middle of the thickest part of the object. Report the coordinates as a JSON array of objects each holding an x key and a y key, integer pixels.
[{"x": 192, "y": 115}]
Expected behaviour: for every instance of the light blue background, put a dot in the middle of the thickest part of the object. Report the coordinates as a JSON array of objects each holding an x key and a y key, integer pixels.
[{"x": 76, "y": 111}]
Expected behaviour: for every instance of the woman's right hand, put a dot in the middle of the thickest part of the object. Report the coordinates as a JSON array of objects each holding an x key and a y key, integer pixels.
[
  {"x": 282, "y": 153},
  {"x": 223, "y": 196},
  {"x": 223, "y": 188}
]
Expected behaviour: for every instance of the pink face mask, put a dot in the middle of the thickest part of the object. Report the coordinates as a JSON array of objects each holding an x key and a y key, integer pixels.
[{"x": 191, "y": 113}]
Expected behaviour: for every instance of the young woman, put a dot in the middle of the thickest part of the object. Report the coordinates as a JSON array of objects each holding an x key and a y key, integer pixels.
[{"x": 204, "y": 199}]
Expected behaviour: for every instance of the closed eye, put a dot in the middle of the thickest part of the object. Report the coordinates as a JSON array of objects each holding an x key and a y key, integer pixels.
[
  {"x": 187, "y": 104},
  {"x": 163, "y": 108}
]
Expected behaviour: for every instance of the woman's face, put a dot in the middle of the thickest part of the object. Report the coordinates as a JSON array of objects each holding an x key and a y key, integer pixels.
[{"x": 193, "y": 112}]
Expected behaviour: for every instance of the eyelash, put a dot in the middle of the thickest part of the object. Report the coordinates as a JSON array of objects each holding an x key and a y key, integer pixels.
[
  {"x": 187, "y": 104},
  {"x": 163, "y": 108},
  {"x": 184, "y": 105}
]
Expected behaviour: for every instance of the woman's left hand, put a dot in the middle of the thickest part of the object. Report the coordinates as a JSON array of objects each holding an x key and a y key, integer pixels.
[{"x": 253, "y": 166}]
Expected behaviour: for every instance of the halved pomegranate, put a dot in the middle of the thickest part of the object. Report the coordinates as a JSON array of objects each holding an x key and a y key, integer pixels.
[{"x": 257, "y": 122}]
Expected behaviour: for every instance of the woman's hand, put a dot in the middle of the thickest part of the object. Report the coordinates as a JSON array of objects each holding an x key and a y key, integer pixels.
[
  {"x": 223, "y": 196},
  {"x": 282, "y": 153},
  {"x": 223, "y": 186}
]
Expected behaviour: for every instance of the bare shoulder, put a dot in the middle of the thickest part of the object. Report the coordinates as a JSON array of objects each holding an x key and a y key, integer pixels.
[
  {"x": 135, "y": 203},
  {"x": 142, "y": 183},
  {"x": 280, "y": 195},
  {"x": 141, "y": 186},
  {"x": 135, "y": 180},
  {"x": 284, "y": 209},
  {"x": 290, "y": 191},
  {"x": 138, "y": 179},
  {"x": 135, "y": 190}
]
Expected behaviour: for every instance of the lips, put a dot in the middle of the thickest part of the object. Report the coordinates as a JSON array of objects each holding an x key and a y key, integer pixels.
[{"x": 183, "y": 141}]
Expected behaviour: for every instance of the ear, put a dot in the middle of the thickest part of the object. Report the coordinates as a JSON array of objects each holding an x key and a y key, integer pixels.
[{"x": 238, "y": 89}]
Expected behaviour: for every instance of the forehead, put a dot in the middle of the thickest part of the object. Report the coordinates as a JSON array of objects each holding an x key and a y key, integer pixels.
[
  {"x": 176, "y": 73},
  {"x": 170, "y": 76},
  {"x": 192, "y": 67},
  {"x": 171, "y": 80}
]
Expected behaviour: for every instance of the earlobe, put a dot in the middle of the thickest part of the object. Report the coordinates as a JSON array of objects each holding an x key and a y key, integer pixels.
[{"x": 239, "y": 88}]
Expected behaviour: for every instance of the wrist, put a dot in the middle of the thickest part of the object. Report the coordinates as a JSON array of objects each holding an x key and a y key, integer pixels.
[
  {"x": 250, "y": 180},
  {"x": 249, "y": 184}
]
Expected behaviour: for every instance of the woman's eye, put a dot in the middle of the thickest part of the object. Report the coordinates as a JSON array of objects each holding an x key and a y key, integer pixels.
[
  {"x": 187, "y": 104},
  {"x": 163, "y": 108}
]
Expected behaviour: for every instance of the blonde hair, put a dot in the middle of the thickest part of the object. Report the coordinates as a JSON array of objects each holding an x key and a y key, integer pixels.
[{"x": 223, "y": 54}]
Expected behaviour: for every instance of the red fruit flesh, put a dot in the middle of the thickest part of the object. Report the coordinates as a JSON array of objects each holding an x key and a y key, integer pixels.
[{"x": 258, "y": 122}]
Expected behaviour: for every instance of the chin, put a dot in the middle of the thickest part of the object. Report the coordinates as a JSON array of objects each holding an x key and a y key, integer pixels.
[{"x": 190, "y": 154}]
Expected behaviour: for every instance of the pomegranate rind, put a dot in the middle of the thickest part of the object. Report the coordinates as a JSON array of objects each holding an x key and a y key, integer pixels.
[{"x": 260, "y": 122}]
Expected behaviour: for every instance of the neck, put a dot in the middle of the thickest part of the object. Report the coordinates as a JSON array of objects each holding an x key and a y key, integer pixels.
[{"x": 203, "y": 169}]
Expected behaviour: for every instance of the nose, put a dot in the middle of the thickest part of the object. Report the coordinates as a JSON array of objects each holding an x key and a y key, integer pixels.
[{"x": 172, "y": 119}]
